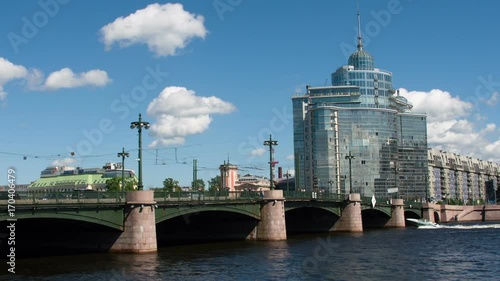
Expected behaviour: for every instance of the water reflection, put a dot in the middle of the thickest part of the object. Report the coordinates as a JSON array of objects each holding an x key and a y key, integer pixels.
[{"x": 385, "y": 254}]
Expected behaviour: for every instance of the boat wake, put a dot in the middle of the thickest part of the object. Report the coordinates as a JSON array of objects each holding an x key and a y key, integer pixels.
[
  {"x": 473, "y": 226},
  {"x": 461, "y": 226}
]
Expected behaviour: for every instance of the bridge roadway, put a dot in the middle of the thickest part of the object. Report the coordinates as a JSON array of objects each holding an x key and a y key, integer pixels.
[
  {"x": 97, "y": 220},
  {"x": 107, "y": 208}
]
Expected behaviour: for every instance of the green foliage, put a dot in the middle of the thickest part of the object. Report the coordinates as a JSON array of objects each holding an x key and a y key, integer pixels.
[
  {"x": 114, "y": 184},
  {"x": 199, "y": 184},
  {"x": 170, "y": 185},
  {"x": 214, "y": 184}
]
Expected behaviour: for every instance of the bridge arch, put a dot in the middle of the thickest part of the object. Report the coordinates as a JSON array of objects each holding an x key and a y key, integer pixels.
[
  {"x": 108, "y": 218},
  {"x": 310, "y": 219},
  {"x": 166, "y": 213},
  {"x": 437, "y": 217},
  {"x": 196, "y": 224},
  {"x": 335, "y": 211},
  {"x": 384, "y": 210},
  {"x": 413, "y": 213}
]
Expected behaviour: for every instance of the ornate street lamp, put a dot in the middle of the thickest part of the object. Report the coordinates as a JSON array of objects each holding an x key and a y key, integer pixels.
[
  {"x": 139, "y": 125},
  {"x": 123, "y": 154},
  {"x": 350, "y": 157},
  {"x": 270, "y": 143}
]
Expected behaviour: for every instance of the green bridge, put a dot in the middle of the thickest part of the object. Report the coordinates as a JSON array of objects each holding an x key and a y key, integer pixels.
[
  {"x": 96, "y": 220},
  {"x": 106, "y": 208}
]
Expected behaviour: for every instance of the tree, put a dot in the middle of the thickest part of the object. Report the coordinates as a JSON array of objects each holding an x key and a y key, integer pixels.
[
  {"x": 198, "y": 184},
  {"x": 215, "y": 184},
  {"x": 170, "y": 185},
  {"x": 114, "y": 184}
]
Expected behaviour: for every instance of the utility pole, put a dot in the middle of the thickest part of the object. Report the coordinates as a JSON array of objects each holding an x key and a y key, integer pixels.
[
  {"x": 270, "y": 143},
  {"x": 123, "y": 154},
  {"x": 350, "y": 157},
  {"x": 195, "y": 174},
  {"x": 287, "y": 175}
]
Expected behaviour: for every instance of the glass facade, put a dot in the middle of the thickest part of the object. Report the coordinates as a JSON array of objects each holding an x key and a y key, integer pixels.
[
  {"x": 412, "y": 152},
  {"x": 360, "y": 115}
]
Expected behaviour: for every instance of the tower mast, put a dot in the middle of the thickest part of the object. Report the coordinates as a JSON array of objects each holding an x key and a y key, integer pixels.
[{"x": 360, "y": 43}]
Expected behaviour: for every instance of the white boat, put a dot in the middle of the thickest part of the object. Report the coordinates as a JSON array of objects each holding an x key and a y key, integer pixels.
[{"x": 422, "y": 222}]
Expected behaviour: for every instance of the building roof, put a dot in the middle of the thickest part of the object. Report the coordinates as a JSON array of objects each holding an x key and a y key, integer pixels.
[
  {"x": 361, "y": 60},
  {"x": 74, "y": 181}
]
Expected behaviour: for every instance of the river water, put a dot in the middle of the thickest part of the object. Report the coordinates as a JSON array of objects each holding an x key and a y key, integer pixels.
[{"x": 453, "y": 252}]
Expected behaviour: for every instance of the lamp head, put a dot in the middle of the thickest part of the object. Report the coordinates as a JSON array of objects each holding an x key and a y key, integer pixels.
[
  {"x": 147, "y": 125},
  {"x": 132, "y": 125}
]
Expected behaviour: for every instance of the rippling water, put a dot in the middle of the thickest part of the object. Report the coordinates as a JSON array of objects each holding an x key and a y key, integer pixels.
[{"x": 452, "y": 252}]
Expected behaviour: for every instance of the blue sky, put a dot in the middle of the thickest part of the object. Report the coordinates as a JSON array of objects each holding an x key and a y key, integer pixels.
[{"x": 215, "y": 78}]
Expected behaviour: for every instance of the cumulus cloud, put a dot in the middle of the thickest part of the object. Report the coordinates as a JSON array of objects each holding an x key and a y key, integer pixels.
[
  {"x": 439, "y": 105},
  {"x": 449, "y": 127},
  {"x": 163, "y": 28},
  {"x": 180, "y": 113},
  {"x": 63, "y": 162},
  {"x": 493, "y": 100},
  {"x": 3, "y": 95},
  {"x": 9, "y": 72},
  {"x": 34, "y": 79},
  {"x": 66, "y": 78},
  {"x": 257, "y": 152}
]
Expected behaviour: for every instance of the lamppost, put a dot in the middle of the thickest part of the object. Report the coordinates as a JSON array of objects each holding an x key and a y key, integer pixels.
[
  {"x": 270, "y": 143},
  {"x": 139, "y": 125},
  {"x": 123, "y": 154},
  {"x": 287, "y": 175},
  {"x": 350, "y": 157}
]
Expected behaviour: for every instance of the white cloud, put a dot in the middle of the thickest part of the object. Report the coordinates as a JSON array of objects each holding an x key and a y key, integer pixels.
[
  {"x": 34, "y": 79},
  {"x": 290, "y": 157},
  {"x": 164, "y": 28},
  {"x": 3, "y": 95},
  {"x": 180, "y": 113},
  {"x": 63, "y": 162},
  {"x": 449, "y": 127},
  {"x": 493, "y": 100},
  {"x": 66, "y": 78},
  {"x": 439, "y": 105},
  {"x": 257, "y": 152},
  {"x": 9, "y": 72}
]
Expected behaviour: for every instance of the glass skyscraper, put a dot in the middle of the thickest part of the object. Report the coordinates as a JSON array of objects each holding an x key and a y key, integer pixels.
[{"x": 359, "y": 115}]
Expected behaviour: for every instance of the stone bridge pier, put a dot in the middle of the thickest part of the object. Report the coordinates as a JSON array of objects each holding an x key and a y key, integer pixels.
[
  {"x": 139, "y": 231},
  {"x": 398, "y": 214},
  {"x": 351, "y": 220},
  {"x": 272, "y": 226}
]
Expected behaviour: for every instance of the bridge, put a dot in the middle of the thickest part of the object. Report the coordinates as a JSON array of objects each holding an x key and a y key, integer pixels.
[{"x": 141, "y": 221}]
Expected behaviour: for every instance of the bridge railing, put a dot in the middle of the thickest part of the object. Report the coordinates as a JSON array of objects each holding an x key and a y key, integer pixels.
[
  {"x": 387, "y": 201},
  {"x": 313, "y": 195},
  {"x": 176, "y": 196},
  {"x": 367, "y": 200},
  {"x": 64, "y": 197}
]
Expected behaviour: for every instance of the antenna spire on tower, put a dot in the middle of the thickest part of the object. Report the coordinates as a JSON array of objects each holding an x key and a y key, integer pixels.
[{"x": 360, "y": 43}]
